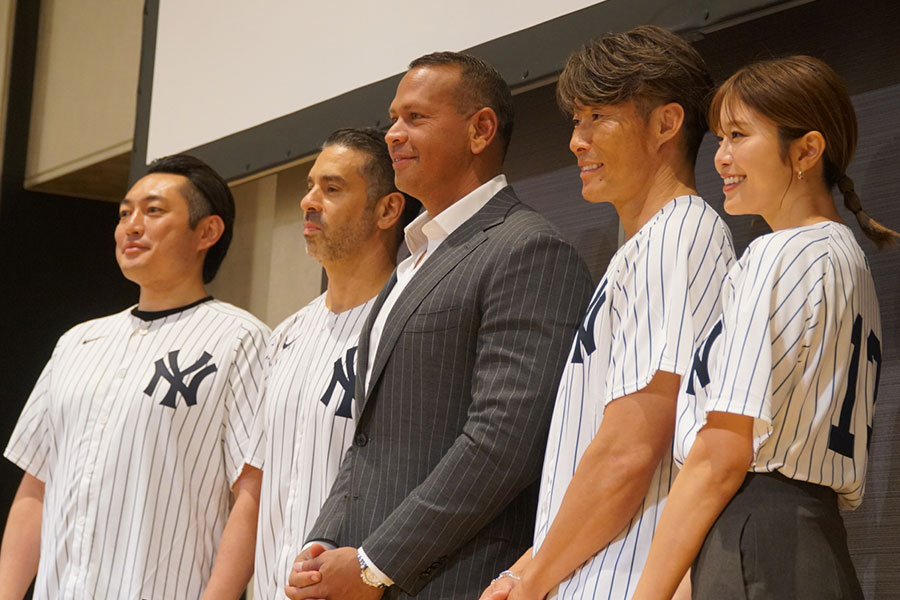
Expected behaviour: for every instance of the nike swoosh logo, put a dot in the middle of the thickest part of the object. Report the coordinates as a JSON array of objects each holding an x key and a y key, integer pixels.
[
  {"x": 93, "y": 339},
  {"x": 284, "y": 345}
]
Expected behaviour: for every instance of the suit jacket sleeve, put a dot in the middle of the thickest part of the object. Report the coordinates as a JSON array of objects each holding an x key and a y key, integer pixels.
[
  {"x": 329, "y": 523},
  {"x": 531, "y": 303}
]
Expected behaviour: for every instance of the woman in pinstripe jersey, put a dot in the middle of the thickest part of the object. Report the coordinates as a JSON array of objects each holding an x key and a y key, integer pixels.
[{"x": 774, "y": 423}]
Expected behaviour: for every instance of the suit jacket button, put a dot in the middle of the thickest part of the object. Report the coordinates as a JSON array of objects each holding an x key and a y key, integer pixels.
[{"x": 361, "y": 439}]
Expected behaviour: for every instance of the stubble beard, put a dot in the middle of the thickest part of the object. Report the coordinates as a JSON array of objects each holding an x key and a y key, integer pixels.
[{"x": 342, "y": 242}]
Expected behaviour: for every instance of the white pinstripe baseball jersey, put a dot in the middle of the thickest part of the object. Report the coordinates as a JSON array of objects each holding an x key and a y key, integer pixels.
[
  {"x": 304, "y": 426},
  {"x": 138, "y": 428},
  {"x": 799, "y": 350},
  {"x": 658, "y": 297}
]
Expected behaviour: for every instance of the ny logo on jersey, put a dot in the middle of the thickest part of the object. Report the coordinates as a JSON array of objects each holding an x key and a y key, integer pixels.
[
  {"x": 700, "y": 367},
  {"x": 175, "y": 376},
  {"x": 346, "y": 378},
  {"x": 584, "y": 336}
]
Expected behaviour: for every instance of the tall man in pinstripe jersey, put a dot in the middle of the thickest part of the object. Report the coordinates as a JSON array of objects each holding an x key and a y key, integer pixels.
[
  {"x": 353, "y": 224},
  {"x": 458, "y": 360},
  {"x": 133, "y": 438},
  {"x": 638, "y": 103}
]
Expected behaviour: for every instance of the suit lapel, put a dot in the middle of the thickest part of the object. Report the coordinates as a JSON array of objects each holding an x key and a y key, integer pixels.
[
  {"x": 457, "y": 246},
  {"x": 362, "y": 353}
]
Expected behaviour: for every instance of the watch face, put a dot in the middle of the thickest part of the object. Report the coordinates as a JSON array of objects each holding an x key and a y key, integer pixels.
[
  {"x": 369, "y": 577},
  {"x": 367, "y": 574}
]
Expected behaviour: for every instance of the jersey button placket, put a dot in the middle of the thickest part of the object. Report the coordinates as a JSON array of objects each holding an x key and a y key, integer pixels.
[
  {"x": 289, "y": 513},
  {"x": 86, "y": 502},
  {"x": 79, "y": 556},
  {"x": 90, "y": 501}
]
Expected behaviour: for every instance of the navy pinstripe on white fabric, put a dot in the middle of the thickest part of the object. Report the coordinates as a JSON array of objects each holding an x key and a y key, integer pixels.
[
  {"x": 800, "y": 351},
  {"x": 302, "y": 431},
  {"x": 137, "y": 490},
  {"x": 658, "y": 298}
]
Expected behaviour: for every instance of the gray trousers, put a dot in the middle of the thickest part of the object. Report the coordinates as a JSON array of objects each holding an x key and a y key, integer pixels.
[{"x": 778, "y": 538}]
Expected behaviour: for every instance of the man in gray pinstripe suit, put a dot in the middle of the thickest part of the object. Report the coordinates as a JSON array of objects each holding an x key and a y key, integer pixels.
[{"x": 458, "y": 361}]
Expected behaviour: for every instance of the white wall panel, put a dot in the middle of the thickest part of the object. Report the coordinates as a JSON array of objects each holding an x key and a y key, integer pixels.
[{"x": 224, "y": 66}]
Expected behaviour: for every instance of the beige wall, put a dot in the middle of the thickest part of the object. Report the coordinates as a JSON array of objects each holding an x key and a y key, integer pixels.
[
  {"x": 7, "y": 12},
  {"x": 85, "y": 86},
  {"x": 267, "y": 270},
  {"x": 83, "y": 112}
]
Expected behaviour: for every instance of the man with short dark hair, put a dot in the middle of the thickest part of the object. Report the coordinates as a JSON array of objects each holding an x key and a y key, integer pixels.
[
  {"x": 638, "y": 103},
  {"x": 353, "y": 222},
  {"x": 458, "y": 361},
  {"x": 207, "y": 194},
  {"x": 133, "y": 438}
]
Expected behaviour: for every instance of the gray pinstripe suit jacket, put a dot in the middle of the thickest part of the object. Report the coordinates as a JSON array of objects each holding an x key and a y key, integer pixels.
[{"x": 440, "y": 485}]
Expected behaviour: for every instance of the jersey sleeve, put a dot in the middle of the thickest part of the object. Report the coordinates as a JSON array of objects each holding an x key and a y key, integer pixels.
[
  {"x": 777, "y": 316},
  {"x": 255, "y": 455},
  {"x": 669, "y": 299},
  {"x": 256, "y": 448},
  {"x": 31, "y": 440},
  {"x": 244, "y": 387}
]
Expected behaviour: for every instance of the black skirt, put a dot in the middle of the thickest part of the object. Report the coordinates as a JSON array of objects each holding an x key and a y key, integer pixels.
[{"x": 777, "y": 538}]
